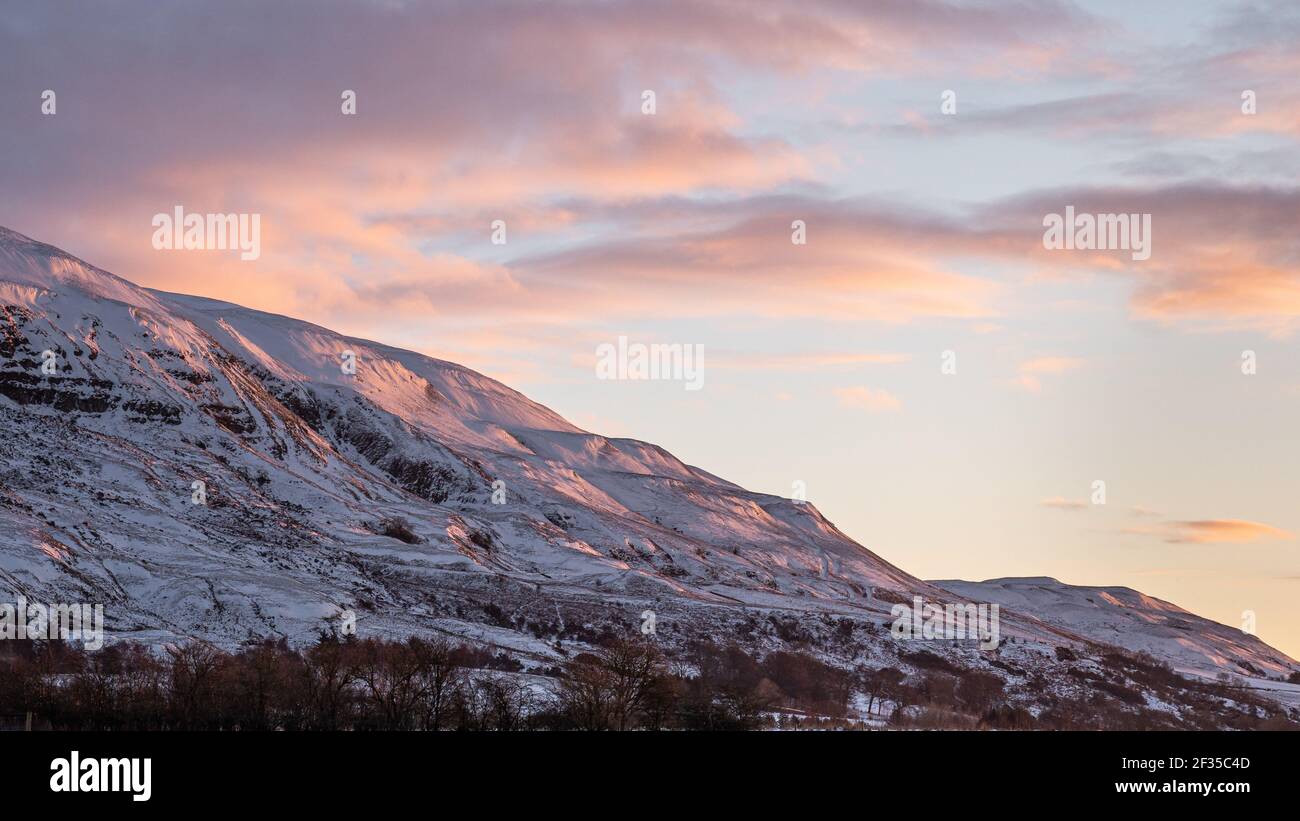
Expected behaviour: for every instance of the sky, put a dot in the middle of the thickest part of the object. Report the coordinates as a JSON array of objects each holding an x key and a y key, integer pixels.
[{"x": 945, "y": 388}]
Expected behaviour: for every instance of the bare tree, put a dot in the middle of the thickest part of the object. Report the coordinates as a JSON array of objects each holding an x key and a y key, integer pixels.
[
  {"x": 328, "y": 679},
  {"x": 611, "y": 688},
  {"x": 193, "y": 670},
  {"x": 390, "y": 675},
  {"x": 441, "y": 678},
  {"x": 587, "y": 693},
  {"x": 633, "y": 667}
]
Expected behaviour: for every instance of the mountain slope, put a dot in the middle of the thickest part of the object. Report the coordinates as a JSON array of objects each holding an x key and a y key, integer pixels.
[
  {"x": 1126, "y": 618},
  {"x": 300, "y": 460},
  {"x": 525, "y": 532}
]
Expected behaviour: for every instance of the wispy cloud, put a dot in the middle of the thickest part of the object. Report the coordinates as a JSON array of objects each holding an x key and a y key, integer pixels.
[
  {"x": 875, "y": 400},
  {"x": 801, "y": 361},
  {"x": 1213, "y": 531},
  {"x": 1031, "y": 369},
  {"x": 1061, "y": 503}
]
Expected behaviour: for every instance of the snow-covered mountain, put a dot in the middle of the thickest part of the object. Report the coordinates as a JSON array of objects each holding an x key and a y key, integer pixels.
[
  {"x": 301, "y": 461},
  {"x": 524, "y": 529}
]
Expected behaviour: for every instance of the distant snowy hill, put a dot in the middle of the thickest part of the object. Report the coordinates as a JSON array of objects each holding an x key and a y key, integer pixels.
[
  {"x": 301, "y": 463},
  {"x": 1135, "y": 621}
]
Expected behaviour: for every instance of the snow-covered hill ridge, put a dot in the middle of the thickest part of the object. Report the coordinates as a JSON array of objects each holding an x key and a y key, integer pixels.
[
  {"x": 302, "y": 464},
  {"x": 155, "y": 391},
  {"x": 1135, "y": 621}
]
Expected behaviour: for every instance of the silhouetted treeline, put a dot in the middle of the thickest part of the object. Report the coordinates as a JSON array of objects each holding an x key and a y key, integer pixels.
[
  {"x": 333, "y": 685},
  {"x": 417, "y": 684},
  {"x": 372, "y": 684}
]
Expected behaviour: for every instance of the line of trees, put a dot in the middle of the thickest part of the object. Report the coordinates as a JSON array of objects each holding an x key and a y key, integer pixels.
[
  {"x": 628, "y": 684},
  {"x": 623, "y": 684},
  {"x": 333, "y": 685},
  {"x": 416, "y": 684}
]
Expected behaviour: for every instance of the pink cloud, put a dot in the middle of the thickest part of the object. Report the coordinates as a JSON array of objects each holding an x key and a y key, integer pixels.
[
  {"x": 1030, "y": 370},
  {"x": 875, "y": 400},
  {"x": 1061, "y": 503}
]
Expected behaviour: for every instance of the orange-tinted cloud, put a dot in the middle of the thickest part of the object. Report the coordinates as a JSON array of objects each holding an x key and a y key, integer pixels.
[
  {"x": 1061, "y": 503},
  {"x": 473, "y": 112},
  {"x": 1221, "y": 254},
  {"x": 1031, "y": 369},
  {"x": 875, "y": 400},
  {"x": 1214, "y": 531}
]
